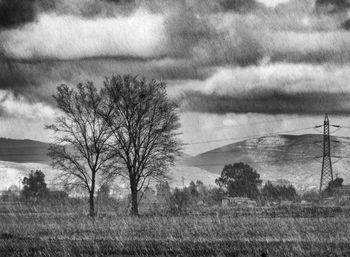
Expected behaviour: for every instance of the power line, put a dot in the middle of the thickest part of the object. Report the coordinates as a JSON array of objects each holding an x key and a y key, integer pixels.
[
  {"x": 266, "y": 161},
  {"x": 248, "y": 137},
  {"x": 251, "y": 162},
  {"x": 259, "y": 150},
  {"x": 258, "y": 145}
]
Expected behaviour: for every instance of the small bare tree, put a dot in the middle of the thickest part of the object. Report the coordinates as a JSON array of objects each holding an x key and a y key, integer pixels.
[
  {"x": 144, "y": 124},
  {"x": 80, "y": 150}
]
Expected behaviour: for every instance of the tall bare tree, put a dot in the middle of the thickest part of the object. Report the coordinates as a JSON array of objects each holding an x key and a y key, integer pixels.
[
  {"x": 80, "y": 150},
  {"x": 144, "y": 124}
]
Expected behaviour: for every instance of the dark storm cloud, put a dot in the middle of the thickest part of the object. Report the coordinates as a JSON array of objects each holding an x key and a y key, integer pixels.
[
  {"x": 93, "y": 8},
  {"x": 14, "y": 13},
  {"x": 10, "y": 76},
  {"x": 332, "y": 5},
  {"x": 275, "y": 88},
  {"x": 21, "y": 80},
  {"x": 269, "y": 102},
  {"x": 315, "y": 47},
  {"x": 241, "y": 6},
  {"x": 34, "y": 82},
  {"x": 346, "y": 25},
  {"x": 184, "y": 31},
  {"x": 38, "y": 79},
  {"x": 314, "y": 56},
  {"x": 74, "y": 41}
]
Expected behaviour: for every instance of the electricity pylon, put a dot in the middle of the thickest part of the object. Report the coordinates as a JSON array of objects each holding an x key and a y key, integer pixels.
[{"x": 327, "y": 171}]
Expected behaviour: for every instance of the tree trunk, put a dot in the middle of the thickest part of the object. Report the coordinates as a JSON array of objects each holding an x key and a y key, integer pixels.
[
  {"x": 92, "y": 205},
  {"x": 92, "y": 212},
  {"x": 134, "y": 202}
]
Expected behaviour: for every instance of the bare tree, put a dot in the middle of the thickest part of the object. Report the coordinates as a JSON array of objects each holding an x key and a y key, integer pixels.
[
  {"x": 80, "y": 150},
  {"x": 144, "y": 124}
]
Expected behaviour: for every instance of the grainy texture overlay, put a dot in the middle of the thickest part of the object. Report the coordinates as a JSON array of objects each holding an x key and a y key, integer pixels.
[{"x": 174, "y": 127}]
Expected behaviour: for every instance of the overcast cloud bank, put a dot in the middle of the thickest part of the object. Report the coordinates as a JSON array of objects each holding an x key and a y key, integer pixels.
[{"x": 217, "y": 56}]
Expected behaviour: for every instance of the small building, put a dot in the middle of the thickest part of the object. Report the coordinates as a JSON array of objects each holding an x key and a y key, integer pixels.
[
  {"x": 8, "y": 195},
  {"x": 150, "y": 203},
  {"x": 238, "y": 201},
  {"x": 305, "y": 203},
  {"x": 342, "y": 194},
  {"x": 329, "y": 201},
  {"x": 342, "y": 191},
  {"x": 200, "y": 203},
  {"x": 332, "y": 6},
  {"x": 225, "y": 202},
  {"x": 286, "y": 203},
  {"x": 58, "y": 195}
]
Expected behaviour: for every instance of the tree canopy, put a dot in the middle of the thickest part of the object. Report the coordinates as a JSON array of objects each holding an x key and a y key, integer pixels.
[
  {"x": 278, "y": 192},
  {"x": 144, "y": 124},
  {"x": 80, "y": 149},
  {"x": 34, "y": 186},
  {"x": 338, "y": 182},
  {"x": 240, "y": 180}
]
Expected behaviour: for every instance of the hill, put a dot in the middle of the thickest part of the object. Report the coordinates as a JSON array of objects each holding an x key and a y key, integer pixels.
[
  {"x": 23, "y": 151},
  {"x": 282, "y": 157}
]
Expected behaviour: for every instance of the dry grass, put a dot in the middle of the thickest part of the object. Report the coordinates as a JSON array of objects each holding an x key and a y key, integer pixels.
[{"x": 53, "y": 234}]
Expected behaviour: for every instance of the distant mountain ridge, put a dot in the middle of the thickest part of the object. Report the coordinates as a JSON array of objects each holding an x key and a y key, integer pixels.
[{"x": 23, "y": 150}]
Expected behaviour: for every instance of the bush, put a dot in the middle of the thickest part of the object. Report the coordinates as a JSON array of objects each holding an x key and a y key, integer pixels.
[{"x": 278, "y": 193}]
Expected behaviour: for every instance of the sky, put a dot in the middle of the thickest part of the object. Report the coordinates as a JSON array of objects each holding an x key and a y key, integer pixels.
[{"x": 237, "y": 68}]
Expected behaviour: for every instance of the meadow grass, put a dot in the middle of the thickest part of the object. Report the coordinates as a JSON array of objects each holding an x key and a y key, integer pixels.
[{"x": 225, "y": 234}]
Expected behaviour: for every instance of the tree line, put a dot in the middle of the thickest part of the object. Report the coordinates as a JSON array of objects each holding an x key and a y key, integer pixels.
[
  {"x": 180, "y": 200},
  {"x": 241, "y": 180}
]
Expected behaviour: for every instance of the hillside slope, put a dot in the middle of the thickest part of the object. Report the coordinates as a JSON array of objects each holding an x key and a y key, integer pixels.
[
  {"x": 288, "y": 157},
  {"x": 22, "y": 151}
]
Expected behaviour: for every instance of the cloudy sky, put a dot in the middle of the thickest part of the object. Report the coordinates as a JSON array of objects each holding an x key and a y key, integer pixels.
[{"x": 237, "y": 67}]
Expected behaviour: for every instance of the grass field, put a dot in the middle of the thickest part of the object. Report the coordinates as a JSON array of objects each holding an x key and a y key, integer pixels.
[{"x": 225, "y": 234}]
